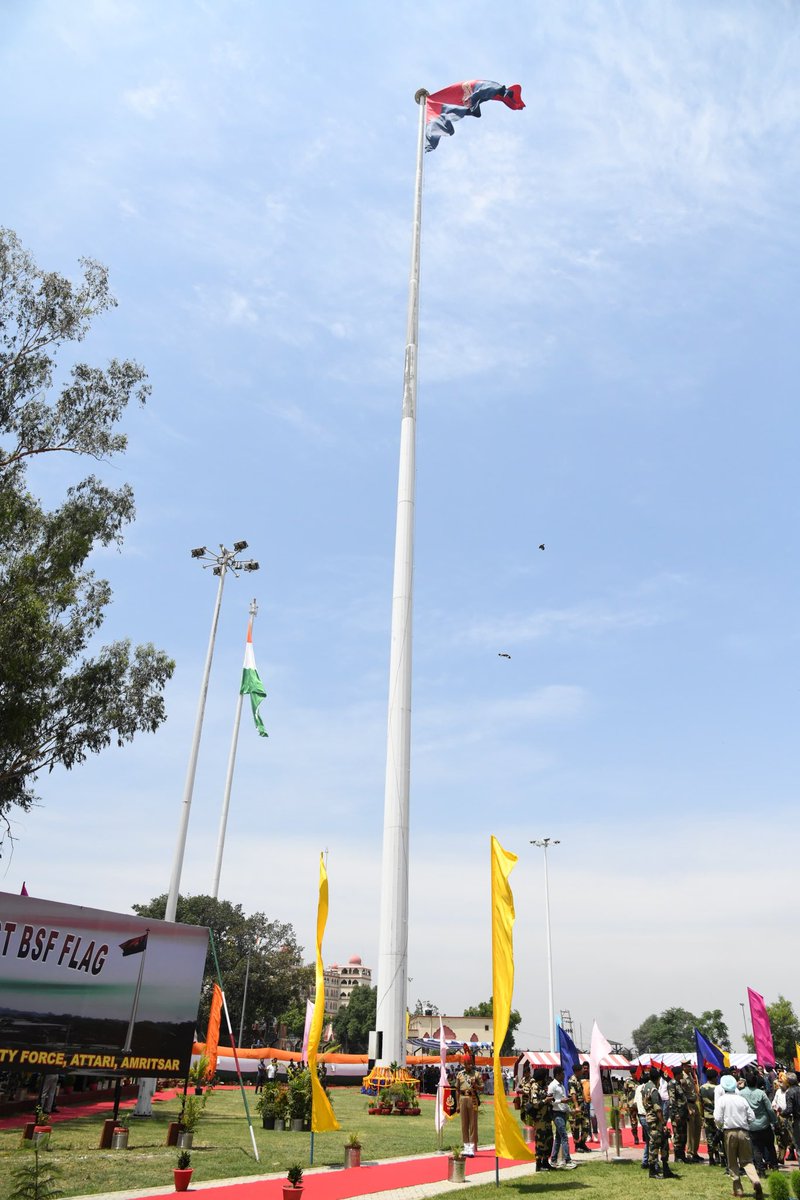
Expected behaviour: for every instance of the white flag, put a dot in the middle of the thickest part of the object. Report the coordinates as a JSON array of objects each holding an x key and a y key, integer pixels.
[{"x": 598, "y": 1050}]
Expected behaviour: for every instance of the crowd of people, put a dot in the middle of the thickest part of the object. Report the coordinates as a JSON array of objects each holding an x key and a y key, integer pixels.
[{"x": 751, "y": 1121}]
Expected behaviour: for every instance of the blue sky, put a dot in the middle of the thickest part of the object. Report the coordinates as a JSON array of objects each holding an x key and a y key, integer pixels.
[{"x": 608, "y": 365}]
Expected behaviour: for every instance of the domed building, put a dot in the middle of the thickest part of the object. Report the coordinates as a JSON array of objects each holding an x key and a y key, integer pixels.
[{"x": 340, "y": 981}]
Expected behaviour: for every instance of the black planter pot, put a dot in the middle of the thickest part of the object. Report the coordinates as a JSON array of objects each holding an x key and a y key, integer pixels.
[{"x": 268, "y": 1122}]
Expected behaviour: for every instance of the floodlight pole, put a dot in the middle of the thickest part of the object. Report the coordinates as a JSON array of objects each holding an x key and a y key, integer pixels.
[
  {"x": 543, "y": 843},
  {"x": 222, "y": 562}
]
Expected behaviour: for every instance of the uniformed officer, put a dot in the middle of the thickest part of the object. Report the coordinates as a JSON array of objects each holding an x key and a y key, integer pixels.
[
  {"x": 678, "y": 1112},
  {"x": 714, "y": 1136},
  {"x": 577, "y": 1120},
  {"x": 469, "y": 1085},
  {"x": 657, "y": 1129},
  {"x": 540, "y": 1106},
  {"x": 629, "y": 1091}
]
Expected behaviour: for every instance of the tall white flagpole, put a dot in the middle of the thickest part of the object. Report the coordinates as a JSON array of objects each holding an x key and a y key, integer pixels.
[
  {"x": 392, "y": 969},
  {"x": 226, "y": 800}
]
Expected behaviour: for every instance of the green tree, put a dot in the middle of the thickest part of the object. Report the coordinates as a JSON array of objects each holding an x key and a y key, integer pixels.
[
  {"x": 353, "y": 1022},
  {"x": 486, "y": 1009},
  {"x": 278, "y": 978},
  {"x": 672, "y": 1030},
  {"x": 712, "y": 1024},
  {"x": 59, "y": 704}
]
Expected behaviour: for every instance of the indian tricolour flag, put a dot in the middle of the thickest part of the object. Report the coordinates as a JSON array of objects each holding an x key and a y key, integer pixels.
[{"x": 251, "y": 683}]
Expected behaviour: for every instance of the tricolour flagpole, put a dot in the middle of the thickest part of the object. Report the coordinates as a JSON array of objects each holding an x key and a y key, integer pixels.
[
  {"x": 393, "y": 934},
  {"x": 226, "y": 801}
]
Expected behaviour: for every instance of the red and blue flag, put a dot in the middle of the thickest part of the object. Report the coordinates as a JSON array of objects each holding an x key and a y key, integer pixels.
[{"x": 459, "y": 100}]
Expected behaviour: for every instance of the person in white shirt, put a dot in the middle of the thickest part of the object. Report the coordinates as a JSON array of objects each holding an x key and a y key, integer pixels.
[
  {"x": 734, "y": 1116},
  {"x": 560, "y": 1110}
]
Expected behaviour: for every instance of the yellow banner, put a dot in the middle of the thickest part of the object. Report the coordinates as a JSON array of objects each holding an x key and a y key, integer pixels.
[
  {"x": 507, "y": 1137},
  {"x": 322, "y": 1118}
]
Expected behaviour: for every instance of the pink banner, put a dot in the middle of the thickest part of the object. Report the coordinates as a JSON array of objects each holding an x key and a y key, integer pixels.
[{"x": 762, "y": 1034}]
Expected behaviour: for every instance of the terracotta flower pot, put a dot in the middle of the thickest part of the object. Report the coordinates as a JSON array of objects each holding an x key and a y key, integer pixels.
[
  {"x": 182, "y": 1178},
  {"x": 292, "y": 1193}
]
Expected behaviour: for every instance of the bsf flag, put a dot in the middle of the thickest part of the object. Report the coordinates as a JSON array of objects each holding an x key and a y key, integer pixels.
[{"x": 448, "y": 1102}]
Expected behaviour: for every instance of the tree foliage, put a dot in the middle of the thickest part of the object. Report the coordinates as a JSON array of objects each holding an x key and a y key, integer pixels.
[
  {"x": 486, "y": 1009},
  {"x": 674, "y": 1030},
  {"x": 278, "y": 979},
  {"x": 353, "y": 1022},
  {"x": 58, "y": 703}
]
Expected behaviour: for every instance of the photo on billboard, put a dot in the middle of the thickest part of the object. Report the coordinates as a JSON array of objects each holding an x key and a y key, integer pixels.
[{"x": 86, "y": 990}]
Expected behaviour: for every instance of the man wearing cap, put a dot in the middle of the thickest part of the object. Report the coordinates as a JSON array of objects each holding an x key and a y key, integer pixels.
[
  {"x": 469, "y": 1084},
  {"x": 658, "y": 1134},
  {"x": 694, "y": 1125},
  {"x": 714, "y": 1136},
  {"x": 734, "y": 1116},
  {"x": 577, "y": 1119}
]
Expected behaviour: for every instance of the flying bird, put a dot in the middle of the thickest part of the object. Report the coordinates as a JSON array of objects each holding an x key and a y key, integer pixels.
[
  {"x": 541, "y": 545},
  {"x": 502, "y": 654}
]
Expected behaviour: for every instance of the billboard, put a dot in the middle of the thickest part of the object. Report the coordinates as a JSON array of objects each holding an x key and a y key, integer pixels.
[{"x": 87, "y": 990}]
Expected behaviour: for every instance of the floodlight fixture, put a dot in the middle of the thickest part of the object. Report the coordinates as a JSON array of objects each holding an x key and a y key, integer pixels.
[
  {"x": 217, "y": 570},
  {"x": 198, "y": 552},
  {"x": 251, "y": 566},
  {"x": 239, "y": 546}
]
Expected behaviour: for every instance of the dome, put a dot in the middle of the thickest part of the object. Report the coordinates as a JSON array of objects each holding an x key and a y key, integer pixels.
[{"x": 355, "y": 961}]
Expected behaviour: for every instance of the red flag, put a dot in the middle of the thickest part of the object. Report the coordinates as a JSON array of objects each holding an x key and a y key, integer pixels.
[
  {"x": 24, "y": 890},
  {"x": 134, "y": 945},
  {"x": 212, "y": 1033}
]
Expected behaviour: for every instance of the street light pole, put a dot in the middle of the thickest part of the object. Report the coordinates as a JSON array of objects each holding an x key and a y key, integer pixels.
[
  {"x": 543, "y": 843},
  {"x": 744, "y": 1019},
  {"x": 220, "y": 563}
]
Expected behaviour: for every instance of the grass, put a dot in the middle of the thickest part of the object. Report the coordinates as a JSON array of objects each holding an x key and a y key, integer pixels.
[
  {"x": 222, "y": 1150},
  {"x": 222, "y": 1147}
]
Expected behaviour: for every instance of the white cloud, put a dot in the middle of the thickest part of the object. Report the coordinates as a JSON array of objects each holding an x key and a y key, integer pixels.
[{"x": 153, "y": 99}]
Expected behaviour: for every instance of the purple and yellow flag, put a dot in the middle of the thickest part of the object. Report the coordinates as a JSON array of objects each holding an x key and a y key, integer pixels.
[
  {"x": 444, "y": 108},
  {"x": 322, "y": 1118}
]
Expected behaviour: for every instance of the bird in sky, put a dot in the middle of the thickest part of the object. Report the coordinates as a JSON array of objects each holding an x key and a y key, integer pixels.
[
  {"x": 502, "y": 654},
  {"x": 541, "y": 545}
]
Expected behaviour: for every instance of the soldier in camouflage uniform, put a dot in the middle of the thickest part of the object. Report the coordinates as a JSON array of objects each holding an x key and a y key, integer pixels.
[
  {"x": 715, "y": 1139},
  {"x": 629, "y": 1091},
  {"x": 578, "y": 1123},
  {"x": 678, "y": 1113},
  {"x": 540, "y": 1109},
  {"x": 657, "y": 1129}
]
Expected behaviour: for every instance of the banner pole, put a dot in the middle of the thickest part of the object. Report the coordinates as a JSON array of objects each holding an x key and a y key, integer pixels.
[
  {"x": 233, "y": 1047},
  {"x": 311, "y": 1156}
]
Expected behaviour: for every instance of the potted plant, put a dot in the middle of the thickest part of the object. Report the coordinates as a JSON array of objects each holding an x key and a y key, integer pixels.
[
  {"x": 119, "y": 1138},
  {"x": 282, "y": 1119},
  {"x": 293, "y": 1188},
  {"x": 300, "y": 1100},
  {"x": 183, "y": 1172},
  {"x": 190, "y": 1118},
  {"x": 267, "y": 1104},
  {"x": 384, "y": 1102},
  {"x": 352, "y": 1151},
  {"x": 456, "y": 1165},
  {"x": 42, "y": 1127},
  {"x": 198, "y": 1074}
]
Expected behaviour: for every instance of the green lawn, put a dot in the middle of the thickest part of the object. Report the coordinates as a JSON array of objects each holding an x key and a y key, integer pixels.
[
  {"x": 223, "y": 1150},
  {"x": 222, "y": 1147}
]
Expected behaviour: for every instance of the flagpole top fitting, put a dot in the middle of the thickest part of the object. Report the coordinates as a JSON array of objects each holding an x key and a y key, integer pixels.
[{"x": 421, "y": 94}]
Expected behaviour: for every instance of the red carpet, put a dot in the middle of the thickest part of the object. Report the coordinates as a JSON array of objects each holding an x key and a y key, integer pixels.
[
  {"x": 340, "y": 1185},
  {"x": 71, "y": 1112}
]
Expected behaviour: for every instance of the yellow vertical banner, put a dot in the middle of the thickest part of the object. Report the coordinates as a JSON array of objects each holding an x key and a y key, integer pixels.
[
  {"x": 507, "y": 1137},
  {"x": 322, "y": 1118}
]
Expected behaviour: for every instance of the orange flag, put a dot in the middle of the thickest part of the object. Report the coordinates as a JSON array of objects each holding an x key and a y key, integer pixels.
[{"x": 212, "y": 1033}]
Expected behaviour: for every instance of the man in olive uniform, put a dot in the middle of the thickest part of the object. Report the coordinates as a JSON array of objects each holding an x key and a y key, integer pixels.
[
  {"x": 540, "y": 1106},
  {"x": 715, "y": 1139},
  {"x": 694, "y": 1125},
  {"x": 678, "y": 1112},
  {"x": 469, "y": 1084},
  {"x": 578, "y": 1123},
  {"x": 657, "y": 1130},
  {"x": 629, "y": 1091}
]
